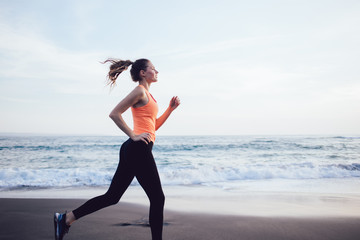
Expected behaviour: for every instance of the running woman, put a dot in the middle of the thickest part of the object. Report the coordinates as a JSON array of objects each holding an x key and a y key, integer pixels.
[{"x": 136, "y": 159}]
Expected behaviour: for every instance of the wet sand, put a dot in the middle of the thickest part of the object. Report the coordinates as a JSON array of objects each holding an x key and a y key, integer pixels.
[{"x": 33, "y": 219}]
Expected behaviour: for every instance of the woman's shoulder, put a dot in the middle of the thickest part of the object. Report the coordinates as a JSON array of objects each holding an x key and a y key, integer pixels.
[
  {"x": 139, "y": 90},
  {"x": 139, "y": 93}
]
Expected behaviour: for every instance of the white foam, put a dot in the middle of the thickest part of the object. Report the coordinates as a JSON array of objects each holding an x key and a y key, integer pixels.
[{"x": 210, "y": 175}]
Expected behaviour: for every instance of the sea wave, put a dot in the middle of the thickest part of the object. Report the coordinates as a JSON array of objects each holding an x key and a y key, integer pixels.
[
  {"x": 185, "y": 175},
  {"x": 46, "y": 162}
]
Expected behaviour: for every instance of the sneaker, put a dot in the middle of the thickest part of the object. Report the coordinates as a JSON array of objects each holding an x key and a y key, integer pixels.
[{"x": 60, "y": 226}]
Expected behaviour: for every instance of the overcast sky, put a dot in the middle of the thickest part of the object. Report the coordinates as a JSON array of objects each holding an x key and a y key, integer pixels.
[{"x": 239, "y": 67}]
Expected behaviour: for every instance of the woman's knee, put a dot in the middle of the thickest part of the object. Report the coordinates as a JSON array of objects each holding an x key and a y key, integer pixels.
[
  {"x": 162, "y": 199},
  {"x": 159, "y": 200},
  {"x": 112, "y": 198}
]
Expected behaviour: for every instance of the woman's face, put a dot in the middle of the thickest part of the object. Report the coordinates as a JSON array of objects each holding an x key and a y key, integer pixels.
[{"x": 150, "y": 74}]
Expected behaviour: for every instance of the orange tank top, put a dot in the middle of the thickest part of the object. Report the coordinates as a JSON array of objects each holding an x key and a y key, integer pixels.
[{"x": 144, "y": 117}]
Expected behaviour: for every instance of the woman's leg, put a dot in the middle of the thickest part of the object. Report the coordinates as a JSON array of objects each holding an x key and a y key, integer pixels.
[
  {"x": 120, "y": 182},
  {"x": 148, "y": 177}
]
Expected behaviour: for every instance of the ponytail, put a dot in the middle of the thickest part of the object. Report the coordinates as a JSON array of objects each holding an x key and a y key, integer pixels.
[{"x": 116, "y": 67}]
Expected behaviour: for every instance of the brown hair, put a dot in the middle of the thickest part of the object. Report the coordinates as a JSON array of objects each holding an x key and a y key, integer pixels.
[{"x": 118, "y": 66}]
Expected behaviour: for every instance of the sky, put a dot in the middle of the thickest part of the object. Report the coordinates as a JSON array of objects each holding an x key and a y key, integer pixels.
[{"x": 278, "y": 67}]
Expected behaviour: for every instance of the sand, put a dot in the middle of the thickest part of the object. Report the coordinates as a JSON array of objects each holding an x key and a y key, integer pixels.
[{"x": 33, "y": 219}]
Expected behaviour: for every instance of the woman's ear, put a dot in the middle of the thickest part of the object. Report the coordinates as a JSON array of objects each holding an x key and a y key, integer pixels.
[{"x": 142, "y": 73}]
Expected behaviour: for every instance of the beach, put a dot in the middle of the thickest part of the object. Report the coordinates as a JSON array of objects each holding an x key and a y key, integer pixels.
[
  {"x": 32, "y": 219},
  {"x": 223, "y": 187},
  {"x": 265, "y": 144}
]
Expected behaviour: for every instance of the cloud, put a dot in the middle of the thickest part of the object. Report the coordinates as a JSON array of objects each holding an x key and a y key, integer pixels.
[{"x": 28, "y": 56}]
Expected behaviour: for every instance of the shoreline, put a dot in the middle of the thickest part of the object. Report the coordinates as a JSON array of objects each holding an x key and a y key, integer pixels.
[
  {"x": 208, "y": 200},
  {"x": 32, "y": 219}
]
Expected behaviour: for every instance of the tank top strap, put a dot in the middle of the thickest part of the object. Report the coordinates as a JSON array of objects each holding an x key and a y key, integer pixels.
[{"x": 148, "y": 93}]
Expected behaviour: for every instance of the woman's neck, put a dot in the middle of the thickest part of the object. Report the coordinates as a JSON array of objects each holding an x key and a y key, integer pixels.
[{"x": 145, "y": 84}]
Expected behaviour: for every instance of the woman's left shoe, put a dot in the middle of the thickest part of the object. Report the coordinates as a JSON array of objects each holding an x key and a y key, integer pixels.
[{"x": 60, "y": 225}]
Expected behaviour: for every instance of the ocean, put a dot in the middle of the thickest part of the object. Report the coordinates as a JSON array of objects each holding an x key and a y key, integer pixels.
[{"x": 223, "y": 162}]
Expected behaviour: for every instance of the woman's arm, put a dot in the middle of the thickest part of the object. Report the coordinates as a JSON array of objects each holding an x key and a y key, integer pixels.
[
  {"x": 174, "y": 103},
  {"x": 135, "y": 96}
]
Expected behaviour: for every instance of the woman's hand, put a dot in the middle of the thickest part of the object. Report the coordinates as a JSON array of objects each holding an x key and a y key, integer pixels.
[
  {"x": 145, "y": 137},
  {"x": 174, "y": 103}
]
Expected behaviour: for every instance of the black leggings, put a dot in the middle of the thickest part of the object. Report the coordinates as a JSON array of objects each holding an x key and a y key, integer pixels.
[{"x": 136, "y": 160}]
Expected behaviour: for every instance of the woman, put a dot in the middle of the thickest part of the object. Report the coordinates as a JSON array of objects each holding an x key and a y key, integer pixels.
[{"x": 136, "y": 159}]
